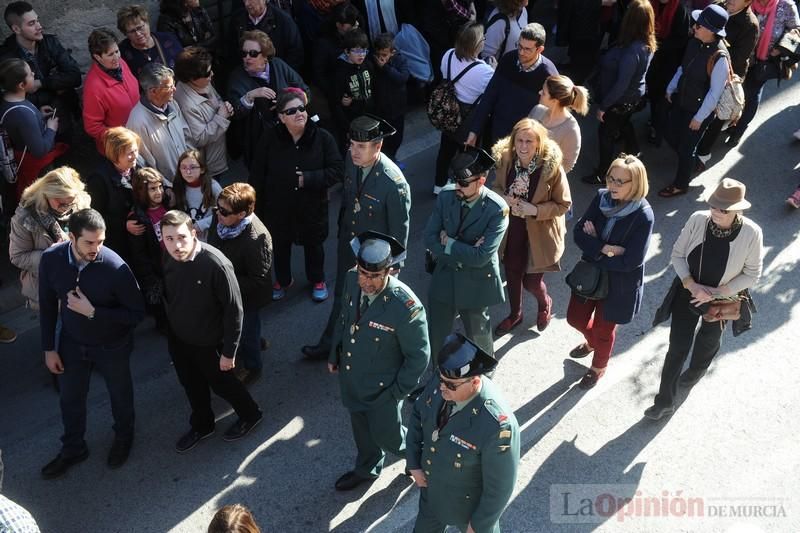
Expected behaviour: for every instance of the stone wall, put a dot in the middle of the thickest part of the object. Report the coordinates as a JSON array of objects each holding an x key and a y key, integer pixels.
[{"x": 73, "y": 20}]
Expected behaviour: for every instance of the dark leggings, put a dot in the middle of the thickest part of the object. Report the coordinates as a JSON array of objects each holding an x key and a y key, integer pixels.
[{"x": 516, "y": 263}]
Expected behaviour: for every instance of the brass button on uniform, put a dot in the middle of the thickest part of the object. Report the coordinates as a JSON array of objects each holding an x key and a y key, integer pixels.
[
  {"x": 428, "y": 461},
  {"x": 380, "y": 384},
  {"x": 433, "y": 449},
  {"x": 347, "y": 367}
]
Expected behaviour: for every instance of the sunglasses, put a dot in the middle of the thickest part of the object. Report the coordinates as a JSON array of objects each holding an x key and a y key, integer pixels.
[
  {"x": 292, "y": 110},
  {"x": 222, "y": 211},
  {"x": 464, "y": 182},
  {"x": 359, "y": 51},
  {"x": 450, "y": 385},
  {"x": 611, "y": 180},
  {"x": 251, "y": 53}
]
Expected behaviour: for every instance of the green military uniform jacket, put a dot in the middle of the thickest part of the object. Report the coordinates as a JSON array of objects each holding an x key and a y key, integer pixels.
[
  {"x": 468, "y": 276},
  {"x": 381, "y": 355},
  {"x": 472, "y": 466},
  {"x": 381, "y": 203}
]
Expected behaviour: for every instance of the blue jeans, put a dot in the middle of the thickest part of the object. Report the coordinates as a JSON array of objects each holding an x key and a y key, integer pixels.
[
  {"x": 112, "y": 361},
  {"x": 684, "y": 141},
  {"x": 250, "y": 341}
]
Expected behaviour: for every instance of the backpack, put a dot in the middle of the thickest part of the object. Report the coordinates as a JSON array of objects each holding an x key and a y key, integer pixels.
[
  {"x": 8, "y": 163},
  {"x": 499, "y": 16},
  {"x": 731, "y": 102},
  {"x": 444, "y": 109}
]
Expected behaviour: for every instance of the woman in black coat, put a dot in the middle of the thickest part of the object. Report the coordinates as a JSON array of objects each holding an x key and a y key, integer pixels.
[{"x": 291, "y": 176}]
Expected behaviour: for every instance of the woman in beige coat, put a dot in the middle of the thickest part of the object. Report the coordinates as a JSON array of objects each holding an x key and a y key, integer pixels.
[
  {"x": 532, "y": 181},
  {"x": 40, "y": 221}
]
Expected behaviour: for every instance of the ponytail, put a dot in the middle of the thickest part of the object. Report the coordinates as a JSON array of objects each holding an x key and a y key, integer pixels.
[{"x": 580, "y": 100}]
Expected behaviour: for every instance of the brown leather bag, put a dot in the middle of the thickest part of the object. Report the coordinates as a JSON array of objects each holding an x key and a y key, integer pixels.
[{"x": 723, "y": 310}]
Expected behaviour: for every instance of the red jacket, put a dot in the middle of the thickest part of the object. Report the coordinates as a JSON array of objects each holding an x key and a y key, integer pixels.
[{"x": 107, "y": 102}]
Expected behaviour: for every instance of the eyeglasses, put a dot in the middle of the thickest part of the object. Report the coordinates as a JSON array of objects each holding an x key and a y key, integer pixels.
[
  {"x": 292, "y": 110},
  {"x": 464, "y": 182},
  {"x": 190, "y": 169},
  {"x": 168, "y": 88},
  {"x": 140, "y": 29},
  {"x": 450, "y": 385},
  {"x": 611, "y": 180},
  {"x": 222, "y": 211},
  {"x": 251, "y": 53},
  {"x": 359, "y": 51},
  {"x": 370, "y": 275}
]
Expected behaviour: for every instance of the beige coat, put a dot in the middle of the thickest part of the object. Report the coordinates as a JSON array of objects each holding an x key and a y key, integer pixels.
[
  {"x": 27, "y": 241},
  {"x": 552, "y": 198}
]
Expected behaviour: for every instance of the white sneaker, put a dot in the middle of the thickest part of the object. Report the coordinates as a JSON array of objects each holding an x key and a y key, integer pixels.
[{"x": 436, "y": 190}]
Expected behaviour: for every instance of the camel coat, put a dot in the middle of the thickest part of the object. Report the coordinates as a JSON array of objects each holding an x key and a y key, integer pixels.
[{"x": 552, "y": 198}]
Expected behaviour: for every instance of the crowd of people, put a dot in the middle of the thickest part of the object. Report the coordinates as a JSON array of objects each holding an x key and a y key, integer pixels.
[{"x": 311, "y": 94}]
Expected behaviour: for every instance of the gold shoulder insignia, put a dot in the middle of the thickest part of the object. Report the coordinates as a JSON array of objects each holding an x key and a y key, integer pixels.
[
  {"x": 415, "y": 312},
  {"x": 505, "y": 434}
]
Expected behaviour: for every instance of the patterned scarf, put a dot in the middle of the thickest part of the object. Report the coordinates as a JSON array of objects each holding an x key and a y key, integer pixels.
[
  {"x": 231, "y": 232},
  {"x": 724, "y": 233},
  {"x": 614, "y": 210}
]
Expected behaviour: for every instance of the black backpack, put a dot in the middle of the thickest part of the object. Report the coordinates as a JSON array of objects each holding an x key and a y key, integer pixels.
[
  {"x": 444, "y": 109},
  {"x": 496, "y": 17}
]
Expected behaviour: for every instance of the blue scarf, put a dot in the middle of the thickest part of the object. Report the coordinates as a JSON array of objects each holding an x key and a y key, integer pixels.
[
  {"x": 231, "y": 232},
  {"x": 614, "y": 210}
]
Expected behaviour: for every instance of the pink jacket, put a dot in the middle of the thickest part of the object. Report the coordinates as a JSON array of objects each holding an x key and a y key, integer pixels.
[{"x": 107, "y": 102}]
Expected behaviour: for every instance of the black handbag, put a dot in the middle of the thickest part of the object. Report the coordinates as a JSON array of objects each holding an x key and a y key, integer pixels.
[
  {"x": 587, "y": 280},
  {"x": 789, "y": 45}
]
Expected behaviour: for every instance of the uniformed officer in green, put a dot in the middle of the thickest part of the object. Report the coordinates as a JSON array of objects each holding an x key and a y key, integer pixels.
[
  {"x": 375, "y": 196},
  {"x": 380, "y": 350},
  {"x": 463, "y": 234},
  {"x": 463, "y": 444}
]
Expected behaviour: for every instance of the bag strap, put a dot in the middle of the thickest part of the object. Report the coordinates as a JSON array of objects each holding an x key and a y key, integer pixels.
[
  {"x": 461, "y": 74},
  {"x": 160, "y": 51},
  {"x": 712, "y": 62},
  {"x": 499, "y": 16},
  {"x": 12, "y": 108}
]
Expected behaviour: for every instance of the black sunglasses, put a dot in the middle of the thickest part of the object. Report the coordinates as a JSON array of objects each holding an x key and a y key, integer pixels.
[
  {"x": 222, "y": 211},
  {"x": 293, "y": 110},
  {"x": 251, "y": 53},
  {"x": 464, "y": 182},
  {"x": 449, "y": 385}
]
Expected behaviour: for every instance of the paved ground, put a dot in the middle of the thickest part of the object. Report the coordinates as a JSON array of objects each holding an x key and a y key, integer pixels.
[{"x": 726, "y": 461}]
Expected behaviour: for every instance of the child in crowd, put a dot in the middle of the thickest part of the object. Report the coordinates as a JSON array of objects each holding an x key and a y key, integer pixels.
[
  {"x": 391, "y": 76},
  {"x": 196, "y": 191},
  {"x": 150, "y": 201},
  {"x": 32, "y": 131},
  {"x": 352, "y": 94}
]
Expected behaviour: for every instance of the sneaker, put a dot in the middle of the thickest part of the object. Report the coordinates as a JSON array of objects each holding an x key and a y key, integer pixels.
[
  {"x": 7, "y": 335},
  {"x": 320, "y": 292},
  {"x": 240, "y": 428},
  {"x": 794, "y": 199},
  {"x": 190, "y": 440},
  {"x": 279, "y": 292}
]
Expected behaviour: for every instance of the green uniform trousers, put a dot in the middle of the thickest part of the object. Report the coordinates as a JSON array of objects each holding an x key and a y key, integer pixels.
[
  {"x": 377, "y": 431},
  {"x": 476, "y": 322}
]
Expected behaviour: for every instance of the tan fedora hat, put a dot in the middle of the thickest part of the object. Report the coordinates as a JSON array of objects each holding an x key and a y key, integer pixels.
[{"x": 729, "y": 196}]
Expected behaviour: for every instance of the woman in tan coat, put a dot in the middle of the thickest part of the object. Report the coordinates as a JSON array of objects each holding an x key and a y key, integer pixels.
[
  {"x": 40, "y": 221},
  {"x": 532, "y": 181}
]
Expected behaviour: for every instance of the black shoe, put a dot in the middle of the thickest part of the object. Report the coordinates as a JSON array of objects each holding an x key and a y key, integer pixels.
[
  {"x": 317, "y": 352},
  {"x": 190, "y": 440},
  {"x": 654, "y": 412},
  {"x": 240, "y": 428},
  {"x": 592, "y": 179},
  {"x": 351, "y": 480},
  {"x": 119, "y": 452},
  {"x": 59, "y": 466},
  {"x": 691, "y": 377},
  {"x": 733, "y": 139},
  {"x": 581, "y": 350}
]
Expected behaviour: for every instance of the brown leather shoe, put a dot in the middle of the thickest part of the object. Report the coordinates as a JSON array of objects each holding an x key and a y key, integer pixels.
[
  {"x": 543, "y": 317},
  {"x": 581, "y": 350},
  {"x": 590, "y": 379},
  {"x": 507, "y": 325}
]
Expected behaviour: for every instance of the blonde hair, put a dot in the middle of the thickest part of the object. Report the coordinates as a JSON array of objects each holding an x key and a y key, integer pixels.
[
  {"x": 118, "y": 140},
  {"x": 63, "y": 182},
  {"x": 567, "y": 94},
  {"x": 504, "y": 152},
  {"x": 637, "y": 172}
]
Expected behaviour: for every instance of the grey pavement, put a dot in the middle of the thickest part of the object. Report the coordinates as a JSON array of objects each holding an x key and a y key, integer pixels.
[{"x": 726, "y": 461}]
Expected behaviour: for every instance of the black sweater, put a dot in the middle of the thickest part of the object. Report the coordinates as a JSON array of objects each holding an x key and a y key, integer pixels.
[
  {"x": 107, "y": 283},
  {"x": 203, "y": 302}
]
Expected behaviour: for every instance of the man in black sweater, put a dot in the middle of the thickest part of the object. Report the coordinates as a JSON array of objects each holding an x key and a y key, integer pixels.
[
  {"x": 514, "y": 88},
  {"x": 100, "y": 305},
  {"x": 204, "y": 306}
]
